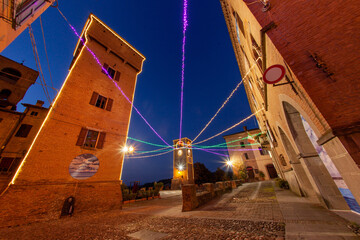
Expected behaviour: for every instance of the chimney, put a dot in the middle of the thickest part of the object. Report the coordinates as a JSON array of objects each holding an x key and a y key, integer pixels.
[
  {"x": 39, "y": 103},
  {"x": 245, "y": 128}
]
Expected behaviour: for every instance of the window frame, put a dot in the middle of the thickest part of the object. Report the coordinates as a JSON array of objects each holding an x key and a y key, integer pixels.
[{"x": 23, "y": 131}]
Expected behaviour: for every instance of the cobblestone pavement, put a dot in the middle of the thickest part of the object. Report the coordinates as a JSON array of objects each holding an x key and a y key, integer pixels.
[
  {"x": 214, "y": 221},
  {"x": 253, "y": 211}
]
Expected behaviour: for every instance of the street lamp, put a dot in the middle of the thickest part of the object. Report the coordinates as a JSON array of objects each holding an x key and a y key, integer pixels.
[
  {"x": 229, "y": 163},
  {"x": 129, "y": 149}
]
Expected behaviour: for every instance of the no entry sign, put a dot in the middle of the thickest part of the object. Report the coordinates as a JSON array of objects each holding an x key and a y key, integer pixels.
[{"x": 274, "y": 74}]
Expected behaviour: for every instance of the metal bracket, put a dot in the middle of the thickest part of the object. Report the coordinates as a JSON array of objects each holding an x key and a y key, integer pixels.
[{"x": 275, "y": 85}]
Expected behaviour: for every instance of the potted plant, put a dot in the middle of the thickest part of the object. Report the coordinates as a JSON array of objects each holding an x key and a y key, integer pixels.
[{"x": 262, "y": 175}]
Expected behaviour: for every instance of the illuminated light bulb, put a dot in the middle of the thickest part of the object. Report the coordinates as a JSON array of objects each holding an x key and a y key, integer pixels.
[
  {"x": 179, "y": 172},
  {"x": 181, "y": 168},
  {"x": 131, "y": 149},
  {"x": 229, "y": 163},
  {"x": 189, "y": 152},
  {"x": 125, "y": 149},
  {"x": 180, "y": 152}
]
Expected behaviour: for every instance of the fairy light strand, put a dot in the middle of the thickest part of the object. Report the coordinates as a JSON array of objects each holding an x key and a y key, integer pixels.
[
  {"x": 227, "y": 100},
  {"x": 148, "y": 143},
  {"x": 154, "y": 155},
  {"x": 107, "y": 74},
  {"x": 185, "y": 24},
  {"x": 235, "y": 125}
]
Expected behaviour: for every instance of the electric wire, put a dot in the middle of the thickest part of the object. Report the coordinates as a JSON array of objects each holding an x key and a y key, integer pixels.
[
  {"x": 46, "y": 54},
  {"x": 38, "y": 65},
  {"x": 227, "y": 99},
  {"x": 106, "y": 72}
]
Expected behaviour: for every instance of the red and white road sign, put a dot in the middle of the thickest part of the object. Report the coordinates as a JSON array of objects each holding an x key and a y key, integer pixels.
[{"x": 274, "y": 74}]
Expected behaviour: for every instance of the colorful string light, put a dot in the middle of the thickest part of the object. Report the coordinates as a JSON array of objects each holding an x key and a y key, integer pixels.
[
  {"x": 149, "y": 155},
  {"x": 185, "y": 24},
  {"x": 148, "y": 143},
  {"x": 235, "y": 125},
  {"x": 107, "y": 74}
]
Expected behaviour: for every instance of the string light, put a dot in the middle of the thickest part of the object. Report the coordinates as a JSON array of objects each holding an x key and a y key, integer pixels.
[
  {"x": 148, "y": 143},
  {"x": 227, "y": 100},
  {"x": 156, "y": 150},
  {"x": 150, "y": 155},
  {"x": 185, "y": 24},
  {"x": 107, "y": 73},
  {"x": 205, "y": 150},
  {"x": 235, "y": 125}
]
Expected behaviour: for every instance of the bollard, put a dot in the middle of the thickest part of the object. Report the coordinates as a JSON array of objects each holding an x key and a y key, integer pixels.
[{"x": 190, "y": 201}]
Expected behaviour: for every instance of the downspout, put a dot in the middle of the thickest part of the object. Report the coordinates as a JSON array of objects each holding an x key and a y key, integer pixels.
[{"x": 263, "y": 52}]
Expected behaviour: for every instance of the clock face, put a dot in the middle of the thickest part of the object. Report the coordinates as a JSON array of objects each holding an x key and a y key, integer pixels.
[{"x": 180, "y": 159}]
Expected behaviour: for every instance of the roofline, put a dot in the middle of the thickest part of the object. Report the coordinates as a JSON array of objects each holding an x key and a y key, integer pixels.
[
  {"x": 93, "y": 17},
  {"x": 249, "y": 130},
  {"x": 34, "y": 106}
]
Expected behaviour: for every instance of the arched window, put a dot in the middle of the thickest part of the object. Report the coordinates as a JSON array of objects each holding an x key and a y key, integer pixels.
[
  {"x": 5, "y": 94},
  {"x": 10, "y": 75}
]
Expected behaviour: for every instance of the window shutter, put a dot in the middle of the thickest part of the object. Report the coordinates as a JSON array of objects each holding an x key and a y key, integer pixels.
[
  {"x": 81, "y": 138},
  {"x": 101, "y": 140},
  {"x": 117, "y": 76},
  {"x": 94, "y": 98},
  {"x": 109, "y": 104},
  {"x": 106, "y": 67}
]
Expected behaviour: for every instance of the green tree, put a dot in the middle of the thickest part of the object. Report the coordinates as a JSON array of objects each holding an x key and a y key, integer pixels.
[
  {"x": 219, "y": 175},
  {"x": 202, "y": 174}
]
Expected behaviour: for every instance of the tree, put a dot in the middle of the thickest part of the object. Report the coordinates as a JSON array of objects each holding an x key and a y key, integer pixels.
[
  {"x": 202, "y": 174},
  {"x": 219, "y": 175},
  {"x": 243, "y": 173},
  {"x": 229, "y": 175}
]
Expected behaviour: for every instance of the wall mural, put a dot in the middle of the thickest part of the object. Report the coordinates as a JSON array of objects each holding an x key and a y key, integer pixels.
[
  {"x": 340, "y": 183},
  {"x": 84, "y": 166}
]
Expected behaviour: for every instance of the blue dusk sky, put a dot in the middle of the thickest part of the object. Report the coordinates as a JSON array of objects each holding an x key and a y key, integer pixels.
[{"x": 154, "y": 28}]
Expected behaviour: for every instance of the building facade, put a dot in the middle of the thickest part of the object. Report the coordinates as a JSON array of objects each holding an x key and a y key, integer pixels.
[
  {"x": 246, "y": 154},
  {"x": 311, "y": 117},
  {"x": 76, "y": 154},
  {"x": 17, "y": 15},
  {"x": 17, "y": 129}
]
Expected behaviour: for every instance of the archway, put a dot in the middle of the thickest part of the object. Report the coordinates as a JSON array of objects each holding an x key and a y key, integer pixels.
[
  {"x": 301, "y": 180},
  {"x": 250, "y": 172},
  {"x": 308, "y": 157},
  {"x": 271, "y": 170}
]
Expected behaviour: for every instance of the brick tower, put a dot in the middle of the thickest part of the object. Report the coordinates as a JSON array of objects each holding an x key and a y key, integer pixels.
[{"x": 77, "y": 151}]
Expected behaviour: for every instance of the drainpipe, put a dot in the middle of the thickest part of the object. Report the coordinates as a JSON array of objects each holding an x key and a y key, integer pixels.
[{"x": 263, "y": 51}]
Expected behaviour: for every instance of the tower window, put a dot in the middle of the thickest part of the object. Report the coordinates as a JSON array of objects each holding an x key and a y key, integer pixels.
[
  {"x": 91, "y": 139},
  {"x": 23, "y": 130},
  {"x": 246, "y": 156},
  {"x": 101, "y": 101},
  {"x": 5, "y": 94},
  {"x": 33, "y": 113},
  {"x": 10, "y": 75},
  {"x": 112, "y": 73}
]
